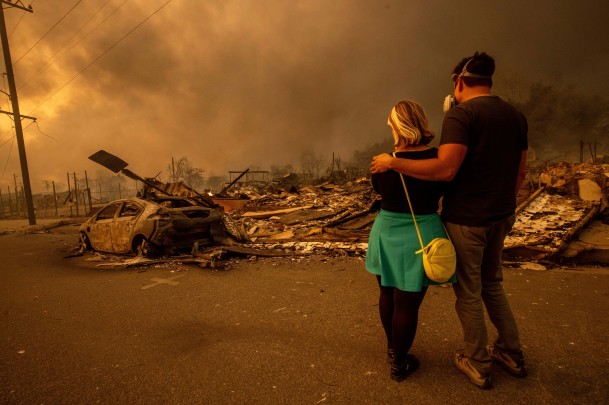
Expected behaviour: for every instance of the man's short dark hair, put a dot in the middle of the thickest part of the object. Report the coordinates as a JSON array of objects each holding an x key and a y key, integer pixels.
[{"x": 480, "y": 63}]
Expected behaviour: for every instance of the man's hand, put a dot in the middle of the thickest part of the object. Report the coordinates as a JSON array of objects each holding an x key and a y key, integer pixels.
[{"x": 380, "y": 163}]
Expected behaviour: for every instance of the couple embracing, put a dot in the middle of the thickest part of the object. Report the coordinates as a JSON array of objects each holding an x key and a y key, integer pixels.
[{"x": 477, "y": 169}]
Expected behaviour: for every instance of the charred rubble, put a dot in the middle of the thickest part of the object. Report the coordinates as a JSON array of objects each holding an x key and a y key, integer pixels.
[
  {"x": 562, "y": 209},
  {"x": 565, "y": 217}
]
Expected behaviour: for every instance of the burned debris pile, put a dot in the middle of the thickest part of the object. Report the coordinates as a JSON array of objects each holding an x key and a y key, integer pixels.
[
  {"x": 326, "y": 218},
  {"x": 547, "y": 223},
  {"x": 560, "y": 204},
  {"x": 567, "y": 199},
  {"x": 562, "y": 210}
]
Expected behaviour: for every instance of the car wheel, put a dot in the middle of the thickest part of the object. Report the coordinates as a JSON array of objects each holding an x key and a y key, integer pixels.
[
  {"x": 85, "y": 243},
  {"x": 145, "y": 248}
]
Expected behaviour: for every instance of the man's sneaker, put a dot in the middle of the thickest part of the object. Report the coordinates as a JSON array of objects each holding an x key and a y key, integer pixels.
[
  {"x": 481, "y": 380},
  {"x": 512, "y": 363}
]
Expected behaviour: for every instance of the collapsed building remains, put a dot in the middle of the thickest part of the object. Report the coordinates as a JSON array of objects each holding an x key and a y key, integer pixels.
[{"x": 557, "y": 203}]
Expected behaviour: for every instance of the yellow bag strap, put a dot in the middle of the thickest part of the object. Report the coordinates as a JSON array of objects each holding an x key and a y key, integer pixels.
[{"x": 412, "y": 213}]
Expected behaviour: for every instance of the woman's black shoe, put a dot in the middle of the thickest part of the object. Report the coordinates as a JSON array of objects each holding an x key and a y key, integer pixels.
[
  {"x": 390, "y": 355},
  {"x": 401, "y": 370}
]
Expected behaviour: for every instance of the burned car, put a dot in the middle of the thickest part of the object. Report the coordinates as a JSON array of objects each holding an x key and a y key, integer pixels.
[{"x": 163, "y": 225}]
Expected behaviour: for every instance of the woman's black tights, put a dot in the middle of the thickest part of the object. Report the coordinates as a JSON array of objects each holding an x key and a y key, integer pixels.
[{"x": 399, "y": 315}]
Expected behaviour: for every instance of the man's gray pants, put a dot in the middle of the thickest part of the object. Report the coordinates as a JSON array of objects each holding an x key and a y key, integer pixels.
[{"x": 479, "y": 281}]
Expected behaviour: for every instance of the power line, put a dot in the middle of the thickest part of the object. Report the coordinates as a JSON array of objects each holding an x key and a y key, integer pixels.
[
  {"x": 47, "y": 33},
  {"x": 39, "y": 130},
  {"x": 8, "y": 99},
  {"x": 58, "y": 55},
  {"x": 8, "y": 138},
  {"x": 16, "y": 25},
  {"x": 8, "y": 157},
  {"x": 101, "y": 56}
]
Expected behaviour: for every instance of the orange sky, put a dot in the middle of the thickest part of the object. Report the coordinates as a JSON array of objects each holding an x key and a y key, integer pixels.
[{"x": 248, "y": 83}]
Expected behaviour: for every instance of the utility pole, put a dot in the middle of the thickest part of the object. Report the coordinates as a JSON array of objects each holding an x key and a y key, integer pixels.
[
  {"x": 173, "y": 171},
  {"x": 27, "y": 189}
]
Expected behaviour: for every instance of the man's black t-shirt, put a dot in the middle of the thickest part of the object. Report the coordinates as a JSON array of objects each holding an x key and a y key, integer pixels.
[
  {"x": 424, "y": 195},
  {"x": 484, "y": 188}
]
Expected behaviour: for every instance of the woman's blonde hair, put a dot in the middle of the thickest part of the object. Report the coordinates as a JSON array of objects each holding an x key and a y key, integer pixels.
[{"x": 409, "y": 124}]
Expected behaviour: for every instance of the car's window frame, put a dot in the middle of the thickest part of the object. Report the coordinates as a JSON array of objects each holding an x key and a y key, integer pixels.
[
  {"x": 125, "y": 205},
  {"x": 118, "y": 205}
]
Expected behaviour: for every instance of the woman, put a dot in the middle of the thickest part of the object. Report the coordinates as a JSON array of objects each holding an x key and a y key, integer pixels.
[{"x": 393, "y": 239}]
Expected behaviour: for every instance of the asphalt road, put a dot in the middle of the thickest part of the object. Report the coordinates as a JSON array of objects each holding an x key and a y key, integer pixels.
[{"x": 277, "y": 331}]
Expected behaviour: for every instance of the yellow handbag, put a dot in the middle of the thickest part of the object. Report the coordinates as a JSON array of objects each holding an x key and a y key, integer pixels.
[{"x": 439, "y": 256}]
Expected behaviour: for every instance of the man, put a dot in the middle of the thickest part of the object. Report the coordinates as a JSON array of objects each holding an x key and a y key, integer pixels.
[{"x": 482, "y": 153}]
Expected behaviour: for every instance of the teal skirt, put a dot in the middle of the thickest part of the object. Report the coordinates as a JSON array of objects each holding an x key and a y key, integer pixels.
[{"x": 392, "y": 245}]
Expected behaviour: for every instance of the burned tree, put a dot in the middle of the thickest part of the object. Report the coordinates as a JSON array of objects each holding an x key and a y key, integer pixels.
[{"x": 183, "y": 170}]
